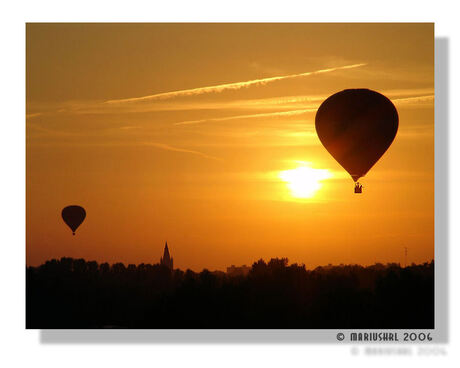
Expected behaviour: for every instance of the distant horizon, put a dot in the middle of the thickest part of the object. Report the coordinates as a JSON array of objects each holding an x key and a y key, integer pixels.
[
  {"x": 74, "y": 293},
  {"x": 311, "y": 268}
]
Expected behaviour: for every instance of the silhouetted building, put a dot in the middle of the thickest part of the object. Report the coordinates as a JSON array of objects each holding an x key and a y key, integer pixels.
[
  {"x": 166, "y": 260},
  {"x": 238, "y": 271}
]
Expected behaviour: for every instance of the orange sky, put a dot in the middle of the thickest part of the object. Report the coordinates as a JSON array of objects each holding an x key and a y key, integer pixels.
[{"x": 126, "y": 121}]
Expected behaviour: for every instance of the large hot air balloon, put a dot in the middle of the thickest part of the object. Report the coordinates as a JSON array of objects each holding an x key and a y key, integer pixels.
[
  {"x": 356, "y": 126},
  {"x": 73, "y": 216}
]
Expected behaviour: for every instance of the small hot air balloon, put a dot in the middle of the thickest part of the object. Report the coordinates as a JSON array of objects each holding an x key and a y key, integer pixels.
[
  {"x": 356, "y": 126},
  {"x": 73, "y": 216}
]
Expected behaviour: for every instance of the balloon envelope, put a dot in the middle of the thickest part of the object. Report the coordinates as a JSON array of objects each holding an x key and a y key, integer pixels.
[
  {"x": 356, "y": 126},
  {"x": 73, "y": 216}
]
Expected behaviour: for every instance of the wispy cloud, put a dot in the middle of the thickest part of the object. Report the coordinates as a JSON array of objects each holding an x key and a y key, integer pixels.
[
  {"x": 280, "y": 102},
  {"x": 414, "y": 100},
  {"x": 270, "y": 114},
  {"x": 297, "y": 101},
  {"x": 167, "y": 147},
  {"x": 294, "y": 102},
  {"x": 228, "y": 86},
  {"x": 114, "y": 143},
  {"x": 34, "y": 115}
]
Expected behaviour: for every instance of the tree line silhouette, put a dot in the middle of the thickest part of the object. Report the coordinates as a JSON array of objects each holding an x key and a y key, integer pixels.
[{"x": 74, "y": 293}]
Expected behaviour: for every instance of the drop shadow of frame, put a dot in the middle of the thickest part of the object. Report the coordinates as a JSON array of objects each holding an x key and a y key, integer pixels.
[{"x": 441, "y": 332}]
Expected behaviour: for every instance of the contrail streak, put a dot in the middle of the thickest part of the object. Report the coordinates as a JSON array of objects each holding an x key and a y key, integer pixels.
[
  {"x": 269, "y": 114},
  {"x": 291, "y": 112},
  {"x": 228, "y": 86}
]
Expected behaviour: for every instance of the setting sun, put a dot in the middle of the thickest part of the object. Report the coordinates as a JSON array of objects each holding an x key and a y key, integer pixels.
[{"x": 304, "y": 181}]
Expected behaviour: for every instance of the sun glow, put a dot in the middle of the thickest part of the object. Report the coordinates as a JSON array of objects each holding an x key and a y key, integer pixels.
[{"x": 304, "y": 181}]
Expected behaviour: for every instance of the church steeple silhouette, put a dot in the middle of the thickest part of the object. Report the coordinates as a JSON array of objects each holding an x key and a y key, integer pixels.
[{"x": 166, "y": 260}]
